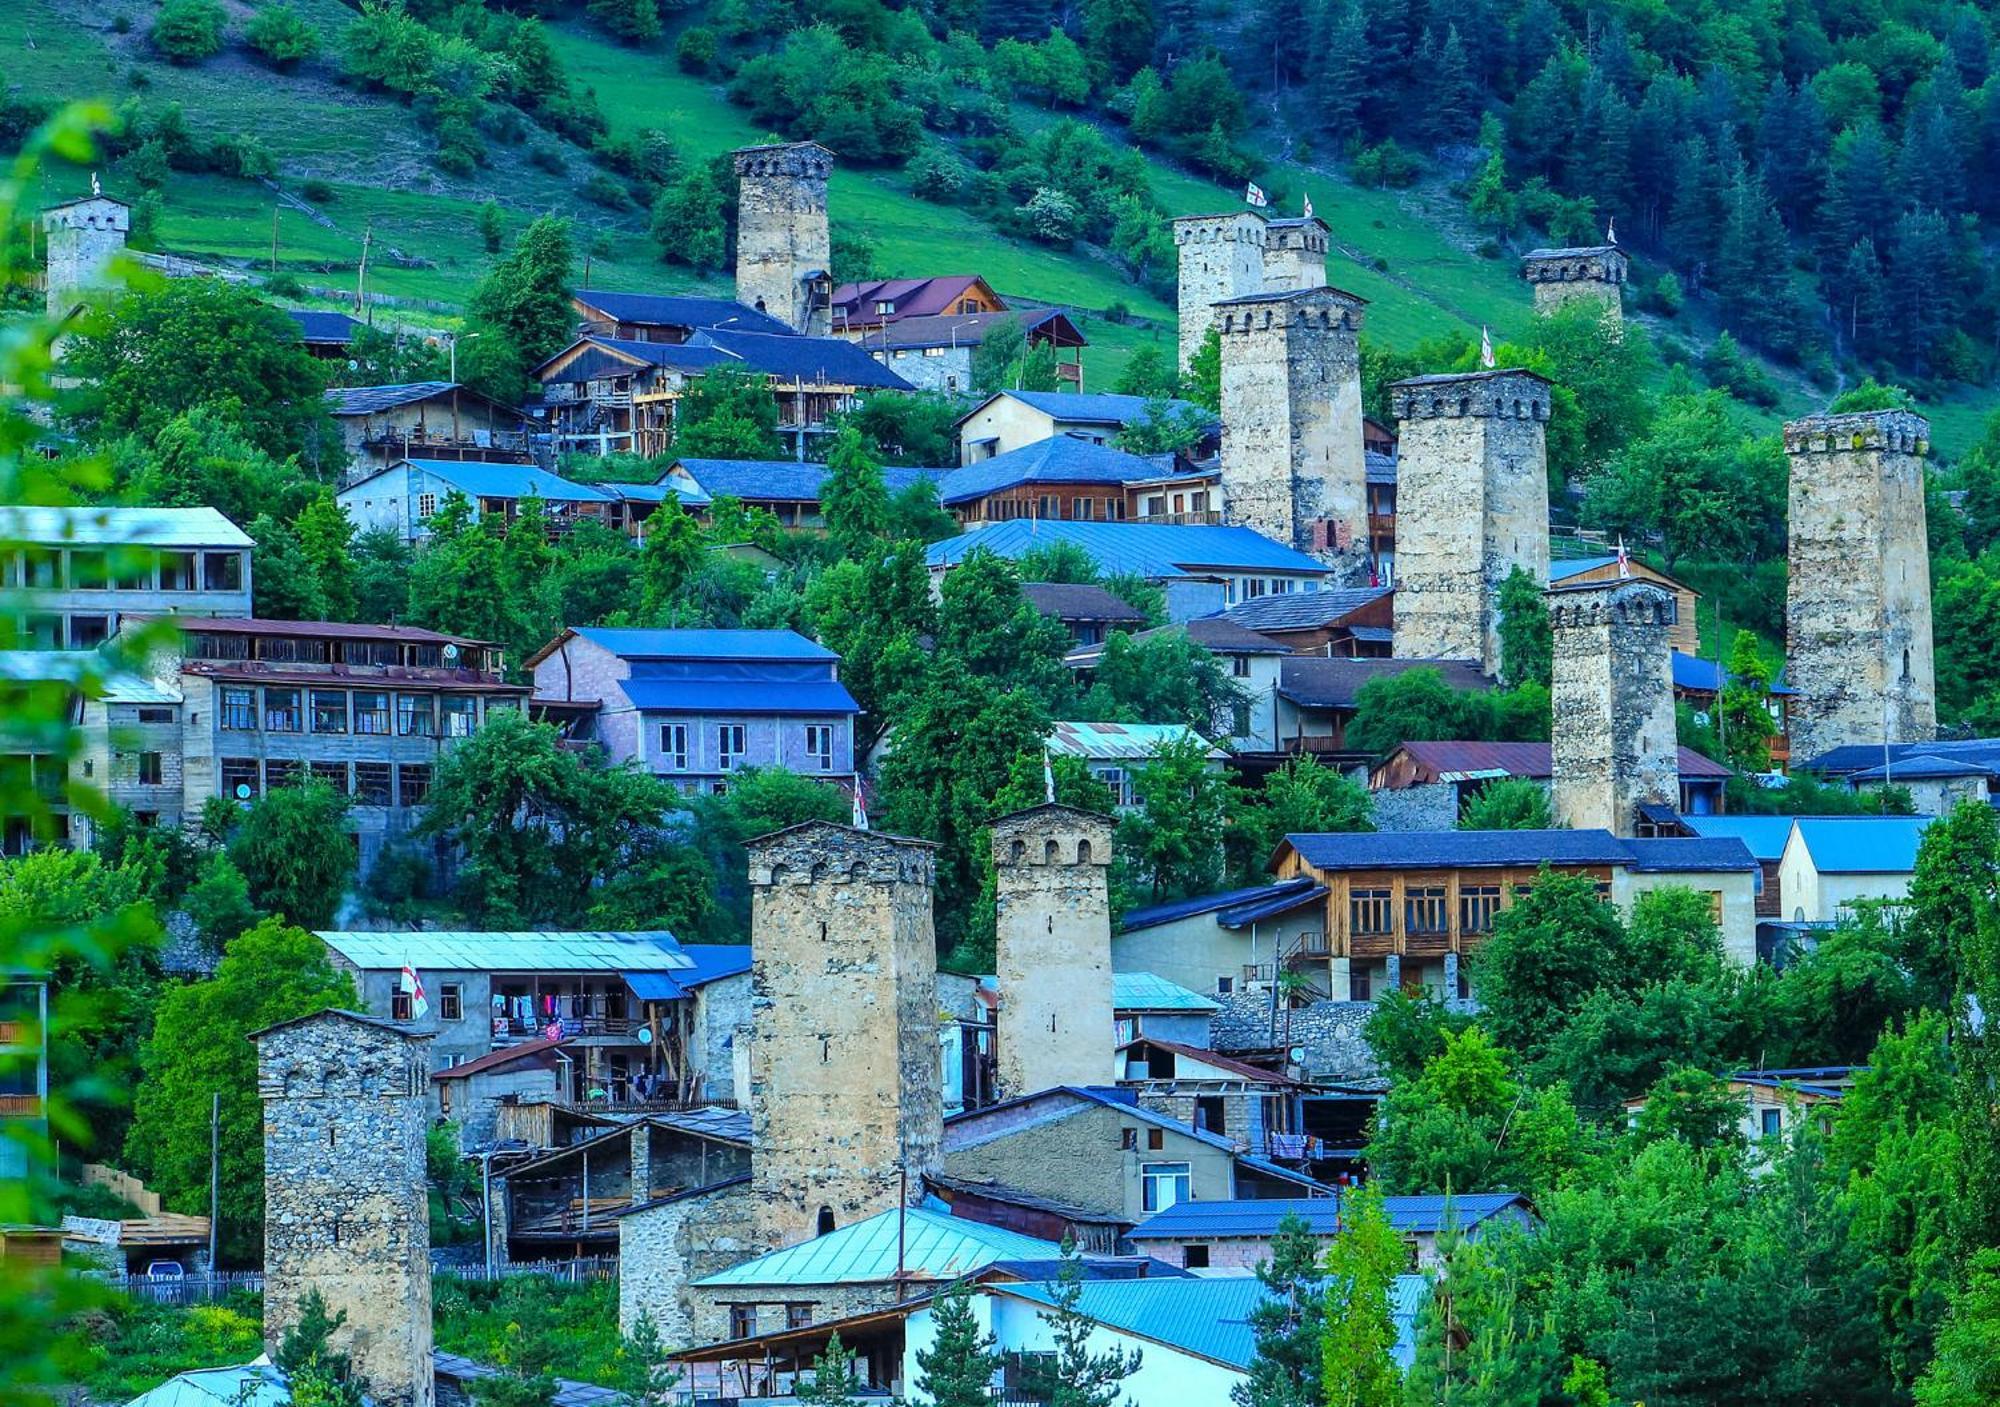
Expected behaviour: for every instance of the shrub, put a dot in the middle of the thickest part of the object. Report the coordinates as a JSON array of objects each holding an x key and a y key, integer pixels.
[
  {"x": 546, "y": 159},
  {"x": 281, "y": 36},
  {"x": 606, "y": 190},
  {"x": 188, "y": 31},
  {"x": 696, "y": 49},
  {"x": 937, "y": 175},
  {"x": 316, "y": 191},
  {"x": 1386, "y": 165}
]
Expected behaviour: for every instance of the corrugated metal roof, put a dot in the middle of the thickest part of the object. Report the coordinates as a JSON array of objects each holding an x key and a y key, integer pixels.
[
  {"x": 83, "y": 670},
  {"x": 255, "y": 1384},
  {"x": 1863, "y": 844},
  {"x": 1255, "y": 1217},
  {"x": 507, "y": 481},
  {"x": 1080, "y": 601},
  {"x": 120, "y": 527},
  {"x": 709, "y": 963},
  {"x": 706, "y": 644},
  {"x": 1143, "y": 991},
  {"x": 1763, "y": 836},
  {"x": 1098, "y": 407},
  {"x": 1122, "y": 742},
  {"x": 785, "y": 480},
  {"x": 1911, "y": 769},
  {"x": 1156, "y": 551},
  {"x": 1701, "y": 676},
  {"x": 811, "y": 359},
  {"x": 1290, "y": 892},
  {"x": 935, "y": 1247},
  {"x": 1059, "y": 459},
  {"x": 675, "y": 310},
  {"x": 468, "y": 951},
  {"x": 1858, "y": 757},
  {"x": 1458, "y": 760},
  {"x": 317, "y": 326},
  {"x": 367, "y": 400},
  {"x": 1314, "y": 682}
]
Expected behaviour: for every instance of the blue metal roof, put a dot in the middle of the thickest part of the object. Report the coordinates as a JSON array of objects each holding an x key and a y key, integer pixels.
[
  {"x": 1259, "y": 1217},
  {"x": 796, "y": 358},
  {"x": 257, "y": 1384},
  {"x": 508, "y": 481},
  {"x": 1151, "y": 550},
  {"x": 674, "y": 310},
  {"x": 786, "y": 480},
  {"x": 1863, "y": 844},
  {"x": 680, "y": 356},
  {"x": 1059, "y": 459},
  {"x": 705, "y": 644},
  {"x": 1856, "y": 757},
  {"x": 935, "y": 1246},
  {"x": 814, "y": 696},
  {"x": 530, "y": 951},
  {"x": 1694, "y": 855},
  {"x": 711, "y": 962},
  {"x": 1303, "y": 611},
  {"x": 317, "y": 326},
  {"x": 1100, "y": 407},
  {"x": 1918, "y": 769},
  {"x": 1143, "y": 991},
  {"x": 1702, "y": 676},
  {"x": 1257, "y": 910},
  {"x": 1285, "y": 891},
  {"x": 1765, "y": 836}
]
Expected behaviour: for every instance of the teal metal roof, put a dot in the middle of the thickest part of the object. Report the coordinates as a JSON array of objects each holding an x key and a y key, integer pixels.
[
  {"x": 656, "y": 951},
  {"x": 1142, "y": 991},
  {"x": 1863, "y": 844},
  {"x": 257, "y": 1384},
  {"x": 935, "y": 1247}
]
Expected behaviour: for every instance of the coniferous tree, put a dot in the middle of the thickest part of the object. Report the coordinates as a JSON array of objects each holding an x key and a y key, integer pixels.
[
  {"x": 1289, "y": 1324},
  {"x": 835, "y": 1380},
  {"x": 1077, "y": 1375},
  {"x": 1356, "y": 1369},
  {"x": 1922, "y": 287},
  {"x": 1864, "y": 308},
  {"x": 957, "y": 1369},
  {"x": 1341, "y": 82}
]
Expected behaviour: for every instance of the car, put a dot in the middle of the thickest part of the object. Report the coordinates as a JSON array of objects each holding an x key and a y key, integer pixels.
[{"x": 165, "y": 1270}]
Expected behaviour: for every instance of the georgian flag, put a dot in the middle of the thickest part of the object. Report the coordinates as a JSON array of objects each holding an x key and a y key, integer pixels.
[
  {"x": 860, "y": 810},
  {"x": 1486, "y": 349},
  {"x": 1624, "y": 560},
  {"x": 1309, "y": 207},
  {"x": 1254, "y": 194},
  {"x": 420, "y": 1007},
  {"x": 1048, "y": 777}
]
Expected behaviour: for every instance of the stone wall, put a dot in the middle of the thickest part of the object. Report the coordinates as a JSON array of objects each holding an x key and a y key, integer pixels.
[
  {"x": 1292, "y": 464},
  {"x": 1564, "y": 276},
  {"x": 781, "y": 231},
  {"x": 845, "y": 1087},
  {"x": 1431, "y": 807},
  {"x": 1295, "y": 254},
  {"x": 1053, "y": 949},
  {"x": 1858, "y": 603},
  {"x": 1330, "y": 1031},
  {"x": 1221, "y": 257},
  {"x": 346, "y": 1204},
  {"x": 1614, "y": 746},
  {"x": 663, "y": 1249},
  {"x": 1472, "y": 504},
  {"x": 84, "y": 237}
]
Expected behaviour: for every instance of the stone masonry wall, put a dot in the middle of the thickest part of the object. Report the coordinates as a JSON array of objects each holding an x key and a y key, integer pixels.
[
  {"x": 1858, "y": 603},
  {"x": 845, "y": 1086},
  {"x": 1431, "y": 807},
  {"x": 664, "y": 1249},
  {"x": 1220, "y": 257},
  {"x": 346, "y": 1206},
  {"x": 1053, "y": 949},
  {"x": 1295, "y": 255},
  {"x": 83, "y": 238},
  {"x": 1612, "y": 696},
  {"x": 1472, "y": 504},
  {"x": 781, "y": 230},
  {"x": 1564, "y": 276},
  {"x": 1330, "y": 1031}
]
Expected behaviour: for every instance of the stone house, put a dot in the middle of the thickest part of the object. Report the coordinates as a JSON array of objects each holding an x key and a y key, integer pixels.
[
  {"x": 1237, "y": 1235},
  {"x": 1935, "y": 784},
  {"x": 72, "y": 576},
  {"x": 404, "y": 497},
  {"x": 617, "y": 1020},
  {"x": 1403, "y": 907},
  {"x": 693, "y": 706},
  {"x": 1226, "y": 942},
  {"x": 1010, "y": 420},
  {"x": 1426, "y": 785},
  {"x": 425, "y": 420},
  {"x": 928, "y": 328},
  {"x": 788, "y": 490},
  {"x": 1831, "y": 863},
  {"x": 1260, "y": 1110}
]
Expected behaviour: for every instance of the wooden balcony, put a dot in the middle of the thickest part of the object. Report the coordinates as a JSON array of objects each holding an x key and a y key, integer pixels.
[
  {"x": 1371, "y": 945},
  {"x": 20, "y": 1106},
  {"x": 1382, "y": 526},
  {"x": 1429, "y": 943}
]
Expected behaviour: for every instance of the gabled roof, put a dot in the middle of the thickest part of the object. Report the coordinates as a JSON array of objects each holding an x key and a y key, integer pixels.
[
  {"x": 538, "y": 951},
  {"x": 1291, "y": 893},
  {"x": 781, "y": 480},
  {"x": 1303, "y": 610},
  {"x": 1862, "y": 844},
  {"x": 259, "y": 1383},
  {"x": 934, "y": 1246},
  {"x": 1155, "y": 551},
  {"x": 1763, "y": 836},
  {"x": 1314, "y": 682},
  {"x": 1224, "y": 636},
  {"x": 1089, "y": 407},
  {"x": 1466, "y": 761},
  {"x": 1224, "y": 1065},
  {"x": 1401, "y": 850},
  {"x": 674, "y": 310},
  {"x": 476, "y": 480},
  {"x": 498, "y": 1059},
  {"x": 1050, "y": 325},
  {"x": 1122, "y": 742},
  {"x": 1081, "y": 601},
  {"x": 119, "y": 527},
  {"x": 1697, "y": 675},
  {"x": 1859, "y": 757},
  {"x": 696, "y": 644},
  {"x": 1258, "y": 1218},
  {"x": 711, "y": 962},
  {"x": 370, "y": 400},
  {"x": 793, "y": 358},
  {"x": 1142, "y": 991},
  {"x": 1919, "y": 769},
  {"x": 326, "y": 329},
  {"x": 911, "y": 297},
  {"x": 1059, "y": 459}
]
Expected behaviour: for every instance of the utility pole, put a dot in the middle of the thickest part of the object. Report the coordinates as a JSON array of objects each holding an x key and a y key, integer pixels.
[
  {"x": 274, "y": 239},
  {"x": 361, "y": 274},
  {"x": 214, "y": 1176}
]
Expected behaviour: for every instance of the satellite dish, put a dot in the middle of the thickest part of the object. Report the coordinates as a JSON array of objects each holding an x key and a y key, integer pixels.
[
  {"x": 353, "y": 365},
  {"x": 451, "y": 654},
  {"x": 645, "y": 1035},
  {"x": 243, "y": 791},
  {"x": 1297, "y": 1055}
]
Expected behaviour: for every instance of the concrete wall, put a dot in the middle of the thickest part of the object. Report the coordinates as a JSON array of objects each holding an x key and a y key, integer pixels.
[
  {"x": 1738, "y": 890},
  {"x": 1614, "y": 746},
  {"x": 1472, "y": 504},
  {"x": 1858, "y": 602},
  {"x": 782, "y": 235},
  {"x": 1221, "y": 257},
  {"x": 1071, "y": 1151},
  {"x": 1821, "y": 897},
  {"x": 1053, "y": 949}
]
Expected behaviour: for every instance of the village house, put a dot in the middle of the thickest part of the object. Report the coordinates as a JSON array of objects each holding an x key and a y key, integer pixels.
[
  {"x": 1426, "y": 785},
  {"x": 928, "y": 328},
  {"x": 667, "y": 318},
  {"x": 407, "y": 496},
  {"x": 1317, "y": 698},
  {"x": 327, "y": 335},
  {"x": 1237, "y": 1235},
  {"x": 1202, "y": 570},
  {"x": 1089, "y": 613},
  {"x": 1775, "y": 1102},
  {"x": 1699, "y": 683},
  {"x": 1250, "y": 722},
  {"x": 24, "y": 1068},
  {"x": 693, "y": 706},
  {"x": 1223, "y": 943},
  {"x": 1765, "y": 838},
  {"x": 1260, "y": 1110},
  {"x": 1832, "y": 863},
  {"x": 425, "y": 420},
  {"x": 1143, "y": 1004},
  {"x": 1351, "y": 622},
  {"x": 1057, "y": 478},
  {"x": 1402, "y": 908},
  {"x": 1009, "y": 420},
  {"x": 790, "y": 491},
  {"x": 89, "y": 569},
  {"x": 1603, "y": 567},
  {"x": 1854, "y": 760},
  {"x": 1114, "y": 753},
  {"x": 1934, "y": 784}
]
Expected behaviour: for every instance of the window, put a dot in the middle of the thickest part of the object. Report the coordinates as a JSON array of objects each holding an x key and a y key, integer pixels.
[
  {"x": 1156, "y": 1140},
  {"x": 240, "y": 780},
  {"x": 1464, "y": 984},
  {"x": 1424, "y": 910},
  {"x": 1715, "y": 905},
  {"x": 281, "y": 710},
  {"x": 798, "y": 1316},
  {"x": 371, "y": 783},
  {"x": 371, "y": 712},
  {"x": 1360, "y": 984},
  {"x": 400, "y": 1006},
  {"x": 459, "y": 716},
  {"x": 1163, "y": 1185},
  {"x": 1224, "y": 986},
  {"x": 1128, "y": 1139},
  {"x": 1079, "y": 509},
  {"x": 729, "y": 746},
  {"x": 742, "y": 1320},
  {"x": 88, "y": 632},
  {"x": 282, "y": 772},
  {"x": 931, "y": 352},
  {"x": 239, "y": 710},
  {"x": 334, "y": 774},
  {"x": 1194, "y": 1257},
  {"x": 451, "y": 1001},
  {"x": 156, "y": 715},
  {"x": 413, "y": 783},
  {"x": 89, "y": 570},
  {"x": 1211, "y": 1112},
  {"x": 222, "y": 571},
  {"x": 427, "y": 507},
  {"x": 1368, "y": 911},
  {"x": 329, "y": 711},
  {"x": 1239, "y": 666},
  {"x": 41, "y": 567},
  {"x": 819, "y": 745},
  {"x": 1771, "y": 1121},
  {"x": 416, "y": 715},
  {"x": 152, "y": 769},
  {"x": 1477, "y": 903},
  {"x": 177, "y": 571},
  {"x": 674, "y": 746}
]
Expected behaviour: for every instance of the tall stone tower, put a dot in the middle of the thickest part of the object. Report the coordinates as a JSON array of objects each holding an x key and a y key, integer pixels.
[
  {"x": 1292, "y": 463},
  {"x": 1221, "y": 257},
  {"x": 845, "y": 1084},
  {"x": 84, "y": 236},
  {"x": 1295, "y": 253},
  {"x": 1053, "y": 949},
  {"x": 1612, "y": 695},
  {"x": 346, "y": 1205},
  {"x": 1595, "y": 273},
  {"x": 784, "y": 248},
  {"x": 1858, "y": 598},
  {"x": 1472, "y": 503}
]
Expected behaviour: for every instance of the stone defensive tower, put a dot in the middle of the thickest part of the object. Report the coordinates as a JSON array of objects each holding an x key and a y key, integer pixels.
[
  {"x": 845, "y": 1087},
  {"x": 1595, "y": 273},
  {"x": 84, "y": 237},
  {"x": 1295, "y": 253},
  {"x": 1220, "y": 257},
  {"x": 346, "y": 1205},
  {"x": 1858, "y": 598},
  {"x": 1614, "y": 748},
  {"x": 1292, "y": 462},
  {"x": 1053, "y": 949},
  {"x": 1472, "y": 503},
  {"x": 784, "y": 248}
]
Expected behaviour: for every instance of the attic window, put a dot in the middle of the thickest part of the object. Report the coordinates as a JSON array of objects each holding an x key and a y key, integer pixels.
[{"x": 884, "y": 306}]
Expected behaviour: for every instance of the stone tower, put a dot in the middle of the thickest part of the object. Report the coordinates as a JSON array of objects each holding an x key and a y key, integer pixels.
[
  {"x": 845, "y": 1084},
  {"x": 1295, "y": 253},
  {"x": 1564, "y": 276},
  {"x": 1612, "y": 695},
  {"x": 784, "y": 249},
  {"x": 1053, "y": 949},
  {"x": 1221, "y": 257},
  {"x": 1292, "y": 463},
  {"x": 84, "y": 237},
  {"x": 346, "y": 1205},
  {"x": 1858, "y": 598},
  {"x": 1472, "y": 503}
]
